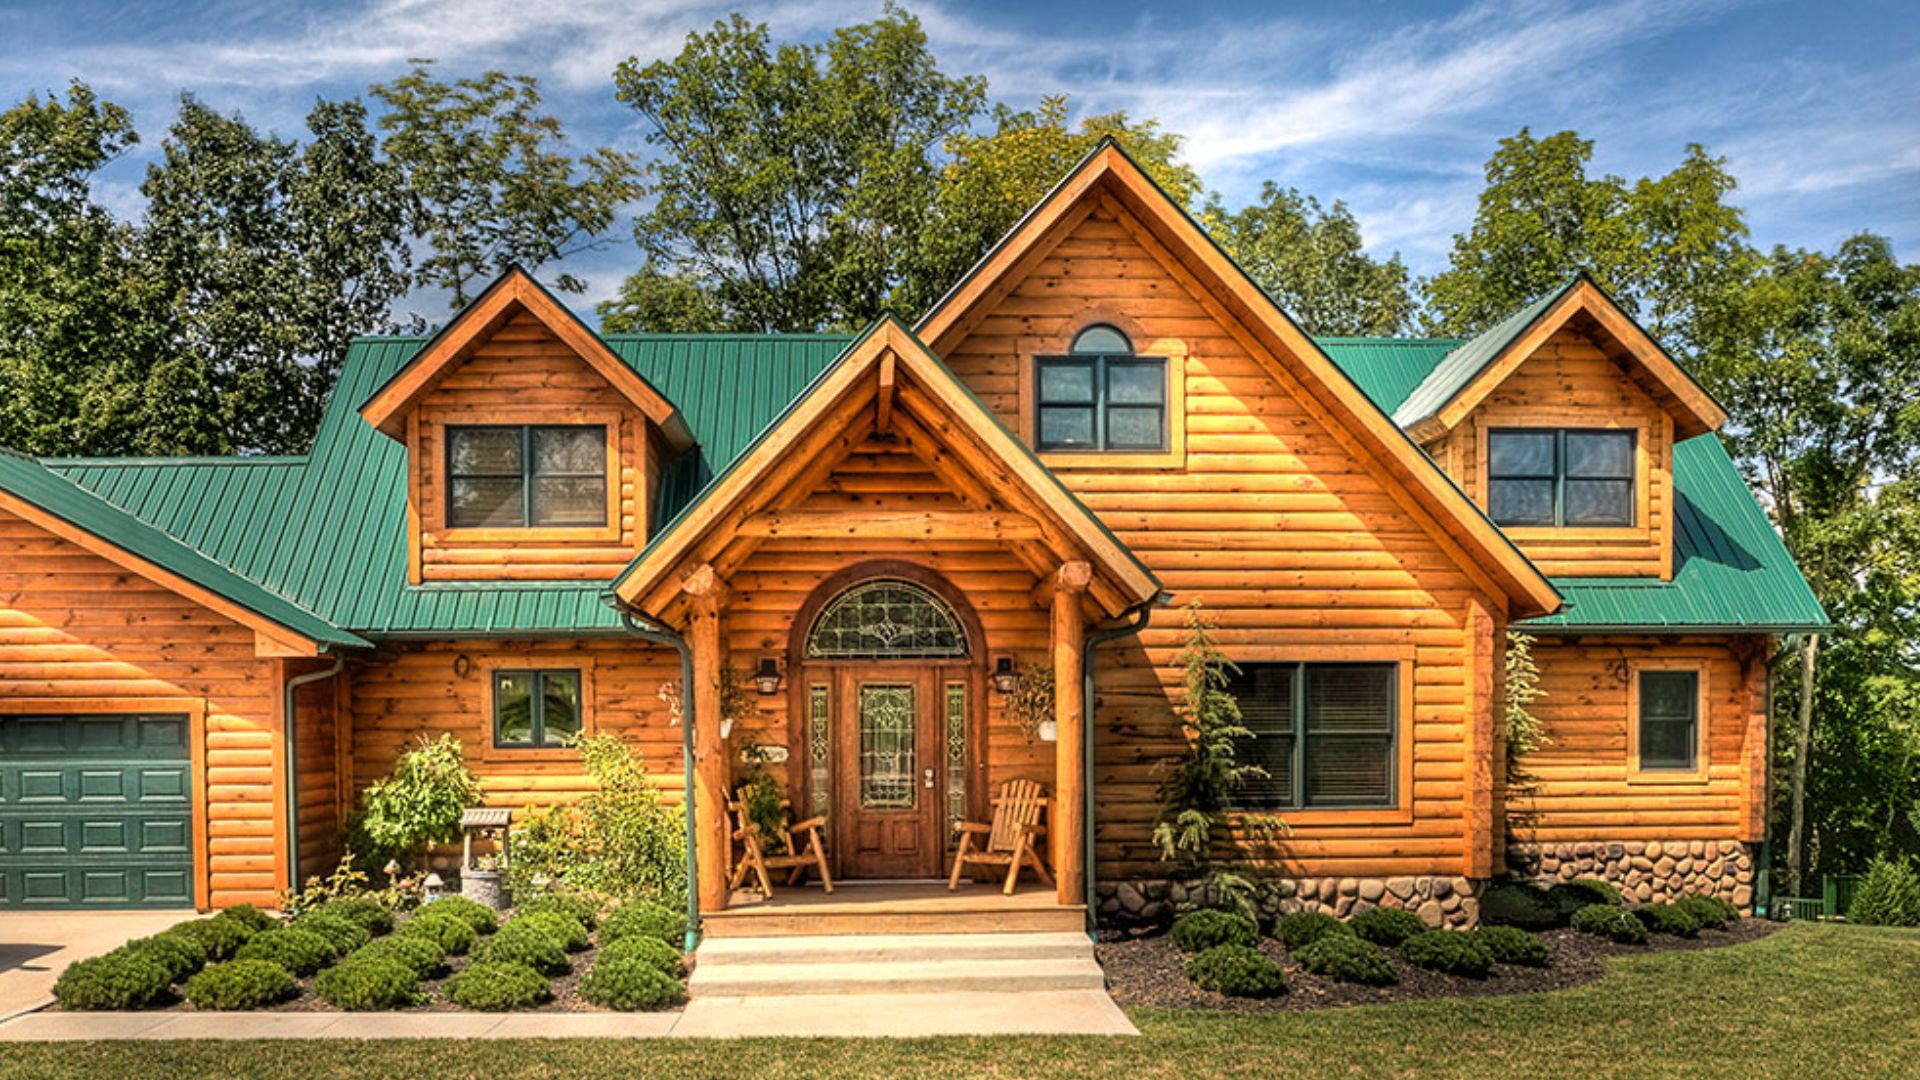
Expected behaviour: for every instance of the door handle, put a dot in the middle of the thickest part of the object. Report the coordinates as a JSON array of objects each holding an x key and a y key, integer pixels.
[{"x": 927, "y": 778}]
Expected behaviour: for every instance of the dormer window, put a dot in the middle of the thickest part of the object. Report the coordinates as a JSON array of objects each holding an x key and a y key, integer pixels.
[
  {"x": 1101, "y": 397},
  {"x": 1560, "y": 477},
  {"x": 503, "y": 476}
]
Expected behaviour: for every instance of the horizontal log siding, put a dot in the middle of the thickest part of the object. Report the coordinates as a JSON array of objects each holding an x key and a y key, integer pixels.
[
  {"x": 1290, "y": 542},
  {"x": 1571, "y": 382},
  {"x": 1582, "y": 783},
  {"x": 414, "y": 692},
  {"x": 524, "y": 369},
  {"x": 79, "y": 630},
  {"x": 320, "y": 789}
]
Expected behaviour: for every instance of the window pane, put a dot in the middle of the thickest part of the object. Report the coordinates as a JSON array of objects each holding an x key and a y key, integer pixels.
[
  {"x": 1669, "y": 702},
  {"x": 1520, "y": 453},
  {"x": 1134, "y": 428},
  {"x": 563, "y": 500},
  {"x": 1669, "y": 695},
  {"x": 1348, "y": 769},
  {"x": 1265, "y": 695},
  {"x": 560, "y": 704},
  {"x": 889, "y": 736},
  {"x": 1598, "y": 502},
  {"x": 1520, "y": 502},
  {"x": 1666, "y": 745},
  {"x": 575, "y": 450},
  {"x": 1068, "y": 382},
  {"x": 1350, "y": 698},
  {"x": 484, "y": 451},
  {"x": 1102, "y": 339},
  {"x": 1350, "y": 725},
  {"x": 1070, "y": 426},
  {"x": 513, "y": 708},
  {"x": 1136, "y": 383},
  {"x": 1600, "y": 453},
  {"x": 485, "y": 502}
]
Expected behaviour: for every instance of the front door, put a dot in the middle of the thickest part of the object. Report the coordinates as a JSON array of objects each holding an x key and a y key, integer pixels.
[{"x": 888, "y": 776}]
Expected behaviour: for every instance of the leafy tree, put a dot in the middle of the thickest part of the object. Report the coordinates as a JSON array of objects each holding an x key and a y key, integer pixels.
[
  {"x": 794, "y": 179},
  {"x": 1310, "y": 260},
  {"x": 488, "y": 181},
  {"x": 273, "y": 255}
]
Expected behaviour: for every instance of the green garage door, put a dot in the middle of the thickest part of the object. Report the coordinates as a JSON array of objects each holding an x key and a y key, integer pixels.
[{"x": 95, "y": 811}]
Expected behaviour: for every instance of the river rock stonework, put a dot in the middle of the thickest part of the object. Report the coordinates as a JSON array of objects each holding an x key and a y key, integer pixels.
[
  {"x": 1647, "y": 871},
  {"x": 1440, "y": 901}
]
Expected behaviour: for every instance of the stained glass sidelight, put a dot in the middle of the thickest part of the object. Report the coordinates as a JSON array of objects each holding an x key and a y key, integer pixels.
[
  {"x": 819, "y": 751},
  {"x": 888, "y": 754},
  {"x": 882, "y": 619},
  {"x": 956, "y": 709}
]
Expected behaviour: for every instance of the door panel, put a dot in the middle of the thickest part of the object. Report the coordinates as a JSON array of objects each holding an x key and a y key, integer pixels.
[{"x": 888, "y": 789}]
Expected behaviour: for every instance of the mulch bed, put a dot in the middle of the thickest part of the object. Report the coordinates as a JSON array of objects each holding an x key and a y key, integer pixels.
[{"x": 1150, "y": 971}]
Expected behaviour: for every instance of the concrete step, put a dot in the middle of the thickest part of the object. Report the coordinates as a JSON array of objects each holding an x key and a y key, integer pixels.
[
  {"x": 862, "y": 920},
  {"x": 897, "y": 976},
  {"x": 876, "y": 948}
]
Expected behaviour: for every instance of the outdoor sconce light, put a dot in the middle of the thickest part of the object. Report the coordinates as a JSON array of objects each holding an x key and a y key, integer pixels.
[
  {"x": 766, "y": 678},
  {"x": 1005, "y": 678}
]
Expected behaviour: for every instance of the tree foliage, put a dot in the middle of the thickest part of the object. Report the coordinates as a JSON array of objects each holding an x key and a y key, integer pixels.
[{"x": 1309, "y": 258}]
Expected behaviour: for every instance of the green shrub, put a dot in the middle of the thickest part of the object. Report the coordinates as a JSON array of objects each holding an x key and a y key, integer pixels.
[
  {"x": 240, "y": 984},
  {"x": 420, "y": 803},
  {"x": 1521, "y": 904},
  {"x": 363, "y": 911},
  {"x": 180, "y": 955},
  {"x": 563, "y": 929},
  {"x": 122, "y": 979},
  {"x": 482, "y": 918},
  {"x": 1198, "y": 931},
  {"x": 1450, "y": 952},
  {"x": 1345, "y": 958},
  {"x": 421, "y": 954},
  {"x": 302, "y": 952},
  {"x": 619, "y": 839},
  {"x": 1888, "y": 896},
  {"x": 524, "y": 943},
  {"x": 1589, "y": 890},
  {"x": 376, "y": 982},
  {"x": 623, "y": 978},
  {"x": 644, "y": 918},
  {"x": 573, "y": 905},
  {"x": 1668, "y": 919},
  {"x": 661, "y": 955},
  {"x": 497, "y": 986},
  {"x": 1386, "y": 927},
  {"x": 217, "y": 935},
  {"x": 451, "y": 933},
  {"x": 1512, "y": 945},
  {"x": 252, "y": 917},
  {"x": 1303, "y": 928},
  {"x": 343, "y": 934},
  {"x": 1711, "y": 912},
  {"x": 1237, "y": 971},
  {"x": 1615, "y": 924}
]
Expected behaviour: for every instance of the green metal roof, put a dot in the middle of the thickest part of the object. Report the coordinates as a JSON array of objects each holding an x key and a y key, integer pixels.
[
  {"x": 1468, "y": 358},
  {"x": 53, "y": 493}
]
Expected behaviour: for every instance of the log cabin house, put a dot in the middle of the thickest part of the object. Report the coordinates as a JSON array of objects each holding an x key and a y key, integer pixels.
[{"x": 510, "y": 530}]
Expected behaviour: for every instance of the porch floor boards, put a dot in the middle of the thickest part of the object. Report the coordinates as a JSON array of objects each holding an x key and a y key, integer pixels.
[{"x": 894, "y": 907}]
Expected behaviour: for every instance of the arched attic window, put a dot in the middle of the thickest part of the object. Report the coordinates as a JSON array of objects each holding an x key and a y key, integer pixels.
[{"x": 1101, "y": 396}]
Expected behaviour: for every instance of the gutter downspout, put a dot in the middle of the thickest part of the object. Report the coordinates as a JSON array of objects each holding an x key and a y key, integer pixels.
[
  {"x": 1139, "y": 614},
  {"x": 660, "y": 635},
  {"x": 293, "y": 688}
]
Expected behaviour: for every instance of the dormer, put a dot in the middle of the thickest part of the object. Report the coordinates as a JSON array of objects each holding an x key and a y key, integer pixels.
[
  {"x": 533, "y": 450},
  {"x": 1560, "y": 421}
]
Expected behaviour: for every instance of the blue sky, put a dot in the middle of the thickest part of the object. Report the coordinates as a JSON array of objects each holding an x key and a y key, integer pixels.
[{"x": 1393, "y": 107}]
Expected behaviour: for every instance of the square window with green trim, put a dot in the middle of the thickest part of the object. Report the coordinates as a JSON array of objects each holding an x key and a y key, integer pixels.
[
  {"x": 1325, "y": 735},
  {"x": 1560, "y": 477},
  {"x": 536, "y": 709}
]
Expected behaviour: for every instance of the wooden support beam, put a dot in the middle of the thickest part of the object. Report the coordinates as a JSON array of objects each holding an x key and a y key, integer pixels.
[
  {"x": 711, "y": 773},
  {"x": 883, "y": 401},
  {"x": 1484, "y": 652},
  {"x": 1068, "y": 829},
  {"x": 912, "y": 525},
  {"x": 1075, "y": 575}
]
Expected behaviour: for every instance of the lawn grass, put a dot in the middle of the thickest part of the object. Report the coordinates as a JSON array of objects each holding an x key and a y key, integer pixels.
[{"x": 1808, "y": 1003}]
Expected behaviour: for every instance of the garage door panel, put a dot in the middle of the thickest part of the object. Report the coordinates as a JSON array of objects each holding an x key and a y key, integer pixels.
[{"x": 95, "y": 812}]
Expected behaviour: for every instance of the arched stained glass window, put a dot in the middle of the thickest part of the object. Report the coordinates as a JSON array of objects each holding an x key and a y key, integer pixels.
[{"x": 885, "y": 619}]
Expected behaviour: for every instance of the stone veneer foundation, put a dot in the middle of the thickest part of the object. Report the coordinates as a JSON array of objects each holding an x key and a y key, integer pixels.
[
  {"x": 1647, "y": 871},
  {"x": 1439, "y": 901}
]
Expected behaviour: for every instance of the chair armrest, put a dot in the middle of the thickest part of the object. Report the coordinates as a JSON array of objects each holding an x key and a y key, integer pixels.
[
  {"x": 810, "y": 823},
  {"x": 974, "y": 827}
]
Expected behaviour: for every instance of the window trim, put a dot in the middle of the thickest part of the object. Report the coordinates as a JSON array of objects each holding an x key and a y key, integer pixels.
[
  {"x": 538, "y": 705},
  {"x": 1640, "y": 773},
  {"x": 1559, "y": 477},
  {"x": 427, "y": 480},
  {"x": 527, "y": 475},
  {"x": 1403, "y": 657},
  {"x": 1020, "y": 410},
  {"x": 483, "y": 670}
]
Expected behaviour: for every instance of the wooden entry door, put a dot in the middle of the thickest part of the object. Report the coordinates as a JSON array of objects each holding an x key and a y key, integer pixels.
[{"x": 889, "y": 782}]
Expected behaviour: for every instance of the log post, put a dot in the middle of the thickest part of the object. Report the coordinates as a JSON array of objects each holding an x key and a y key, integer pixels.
[
  {"x": 711, "y": 773},
  {"x": 1067, "y": 823}
]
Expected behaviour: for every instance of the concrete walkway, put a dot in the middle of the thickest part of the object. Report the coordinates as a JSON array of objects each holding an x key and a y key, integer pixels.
[
  {"x": 36, "y": 946},
  {"x": 1078, "y": 1012}
]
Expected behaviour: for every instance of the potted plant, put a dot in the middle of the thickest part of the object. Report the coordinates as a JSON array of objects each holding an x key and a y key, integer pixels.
[{"x": 1031, "y": 703}]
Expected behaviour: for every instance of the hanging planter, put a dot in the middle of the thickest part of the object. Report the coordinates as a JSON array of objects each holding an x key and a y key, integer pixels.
[
  {"x": 1049, "y": 731},
  {"x": 1031, "y": 702}
]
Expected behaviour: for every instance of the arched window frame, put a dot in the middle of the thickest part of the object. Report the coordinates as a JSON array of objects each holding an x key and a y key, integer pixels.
[{"x": 929, "y": 618}]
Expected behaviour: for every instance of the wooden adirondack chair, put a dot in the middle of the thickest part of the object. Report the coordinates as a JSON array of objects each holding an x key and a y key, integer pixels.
[
  {"x": 1011, "y": 841},
  {"x": 804, "y": 849}
]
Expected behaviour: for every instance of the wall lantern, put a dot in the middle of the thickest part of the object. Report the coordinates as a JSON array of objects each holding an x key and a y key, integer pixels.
[
  {"x": 766, "y": 678},
  {"x": 1006, "y": 679}
]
